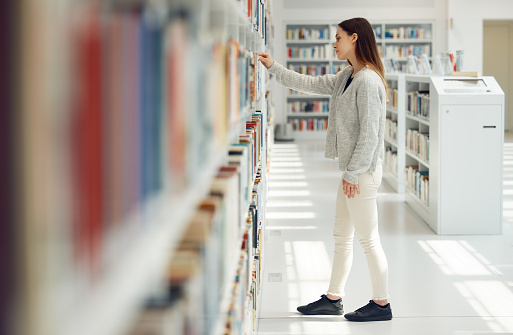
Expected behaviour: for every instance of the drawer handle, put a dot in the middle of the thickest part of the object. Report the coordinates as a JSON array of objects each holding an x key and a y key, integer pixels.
[{"x": 489, "y": 127}]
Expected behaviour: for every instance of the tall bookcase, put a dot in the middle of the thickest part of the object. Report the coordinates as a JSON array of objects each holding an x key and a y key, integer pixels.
[
  {"x": 142, "y": 147},
  {"x": 310, "y": 51},
  {"x": 393, "y": 166},
  {"x": 443, "y": 124}
]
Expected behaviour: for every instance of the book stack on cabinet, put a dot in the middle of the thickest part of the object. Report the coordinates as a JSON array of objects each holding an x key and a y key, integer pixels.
[{"x": 143, "y": 156}]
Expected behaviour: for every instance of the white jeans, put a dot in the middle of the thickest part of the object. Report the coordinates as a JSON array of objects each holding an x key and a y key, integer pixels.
[{"x": 359, "y": 214}]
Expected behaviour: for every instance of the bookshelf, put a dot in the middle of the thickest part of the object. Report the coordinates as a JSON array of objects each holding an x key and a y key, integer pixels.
[
  {"x": 397, "y": 40},
  {"x": 393, "y": 165},
  {"x": 143, "y": 148},
  {"x": 445, "y": 127},
  {"x": 310, "y": 51},
  {"x": 419, "y": 188}
]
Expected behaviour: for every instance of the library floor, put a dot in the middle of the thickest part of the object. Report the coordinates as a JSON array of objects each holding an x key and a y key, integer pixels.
[{"x": 437, "y": 284}]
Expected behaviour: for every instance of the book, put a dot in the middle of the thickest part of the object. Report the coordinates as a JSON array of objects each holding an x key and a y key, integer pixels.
[{"x": 87, "y": 144}]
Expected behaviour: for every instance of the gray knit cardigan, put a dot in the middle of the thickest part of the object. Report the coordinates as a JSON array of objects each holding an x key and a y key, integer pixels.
[{"x": 356, "y": 120}]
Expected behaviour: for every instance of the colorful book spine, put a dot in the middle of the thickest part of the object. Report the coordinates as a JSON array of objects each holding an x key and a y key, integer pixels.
[
  {"x": 311, "y": 106},
  {"x": 309, "y": 125}
]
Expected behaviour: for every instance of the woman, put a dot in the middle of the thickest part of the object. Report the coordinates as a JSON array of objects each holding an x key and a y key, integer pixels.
[{"x": 356, "y": 127}]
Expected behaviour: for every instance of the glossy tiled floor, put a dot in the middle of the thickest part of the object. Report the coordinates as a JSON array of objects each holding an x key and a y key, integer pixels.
[{"x": 438, "y": 284}]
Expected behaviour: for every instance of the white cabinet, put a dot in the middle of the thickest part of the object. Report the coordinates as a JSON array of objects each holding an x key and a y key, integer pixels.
[
  {"x": 470, "y": 161},
  {"x": 471, "y": 140},
  {"x": 451, "y": 150}
]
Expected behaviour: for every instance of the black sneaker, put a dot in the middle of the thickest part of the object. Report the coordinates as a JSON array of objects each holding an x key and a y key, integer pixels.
[
  {"x": 371, "y": 312},
  {"x": 322, "y": 306}
]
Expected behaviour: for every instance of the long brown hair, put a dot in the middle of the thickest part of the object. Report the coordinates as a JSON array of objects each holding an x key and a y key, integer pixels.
[{"x": 366, "y": 48}]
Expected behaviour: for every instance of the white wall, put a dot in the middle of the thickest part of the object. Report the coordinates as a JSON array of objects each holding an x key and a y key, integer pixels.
[{"x": 467, "y": 27}]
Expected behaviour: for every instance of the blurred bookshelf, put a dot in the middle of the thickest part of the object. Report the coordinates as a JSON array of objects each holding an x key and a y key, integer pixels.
[{"x": 142, "y": 144}]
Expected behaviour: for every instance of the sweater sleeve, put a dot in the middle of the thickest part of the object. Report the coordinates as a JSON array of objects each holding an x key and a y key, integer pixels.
[
  {"x": 368, "y": 102},
  {"x": 309, "y": 84}
]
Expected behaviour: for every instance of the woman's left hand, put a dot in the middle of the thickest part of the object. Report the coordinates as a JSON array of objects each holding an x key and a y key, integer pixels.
[{"x": 350, "y": 189}]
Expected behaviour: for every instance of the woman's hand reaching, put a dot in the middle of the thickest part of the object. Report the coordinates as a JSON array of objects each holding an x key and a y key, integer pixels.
[{"x": 265, "y": 59}]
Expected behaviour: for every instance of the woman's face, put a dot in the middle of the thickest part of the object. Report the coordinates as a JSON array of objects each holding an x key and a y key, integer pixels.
[{"x": 345, "y": 44}]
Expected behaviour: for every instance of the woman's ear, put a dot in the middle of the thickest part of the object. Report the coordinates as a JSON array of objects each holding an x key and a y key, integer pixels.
[{"x": 354, "y": 37}]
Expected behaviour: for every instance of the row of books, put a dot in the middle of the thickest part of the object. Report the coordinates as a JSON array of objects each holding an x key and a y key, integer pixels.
[
  {"x": 311, "y": 106},
  {"x": 258, "y": 13},
  {"x": 308, "y": 34},
  {"x": 226, "y": 229},
  {"x": 131, "y": 112},
  {"x": 390, "y": 161},
  {"x": 317, "y": 69},
  {"x": 144, "y": 110},
  {"x": 311, "y": 70},
  {"x": 403, "y": 51},
  {"x": 312, "y": 52},
  {"x": 394, "y": 66},
  {"x": 418, "y": 182},
  {"x": 417, "y": 104},
  {"x": 394, "y": 98},
  {"x": 130, "y": 139},
  {"x": 315, "y": 124},
  {"x": 391, "y": 129},
  {"x": 408, "y": 32},
  {"x": 378, "y": 32},
  {"x": 418, "y": 143},
  {"x": 241, "y": 316}
]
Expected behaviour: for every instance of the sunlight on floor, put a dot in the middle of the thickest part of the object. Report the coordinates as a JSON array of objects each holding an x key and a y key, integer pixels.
[
  {"x": 290, "y": 215},
  {"x": 274, "y": 204},
  {"x": 454, "y": 258},
  {"x": 491, "y": 299},
  {"x": 278, "y": 171},
  {"x": 288, "y": 184},
  {"x": 287, "y": 177},
  {"x": 292, "y": 228},
  {"x": 316, "y": 264},
  {"x": 293, "y": 193}
]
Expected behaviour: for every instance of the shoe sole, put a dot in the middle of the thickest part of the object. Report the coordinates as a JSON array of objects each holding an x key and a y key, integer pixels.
[
  {"x": 379, "y": 318},
  {"x": 322, "y": 313}
]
